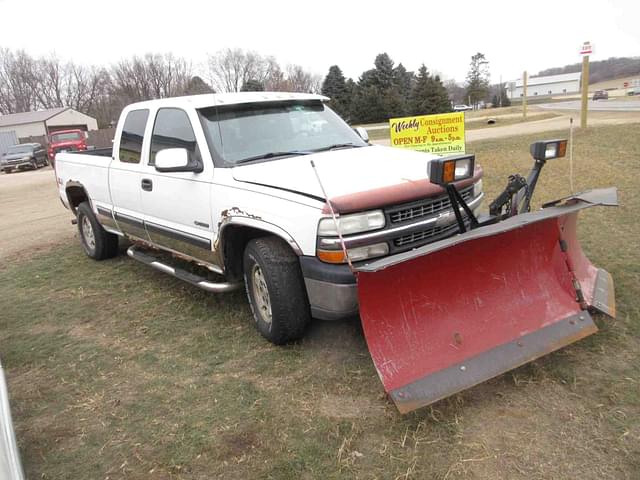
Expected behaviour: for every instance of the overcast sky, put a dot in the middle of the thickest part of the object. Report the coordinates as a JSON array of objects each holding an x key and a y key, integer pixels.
[{"x": 514, "y": 36}]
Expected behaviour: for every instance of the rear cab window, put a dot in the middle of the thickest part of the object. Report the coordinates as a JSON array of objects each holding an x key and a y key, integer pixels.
[{"x": 132, "y": 136}]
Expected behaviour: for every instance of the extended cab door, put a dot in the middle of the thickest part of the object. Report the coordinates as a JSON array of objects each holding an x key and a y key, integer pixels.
[
  {"x": 124, "y": 175},
  {"x": 177, "y": 205}
]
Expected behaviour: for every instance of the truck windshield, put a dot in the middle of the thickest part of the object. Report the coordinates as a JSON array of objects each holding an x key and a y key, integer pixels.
[
  {"x": 266, "y": 131},
  {"x": 66, "y": 137},
  {"x": 20, "y": 149}
]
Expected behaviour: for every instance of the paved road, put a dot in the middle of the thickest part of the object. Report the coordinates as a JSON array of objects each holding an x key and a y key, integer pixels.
[
  {"x": 32, "y": 216},
  {"x": 598, "y": 105},
  {"x": 539, "y": 126}
]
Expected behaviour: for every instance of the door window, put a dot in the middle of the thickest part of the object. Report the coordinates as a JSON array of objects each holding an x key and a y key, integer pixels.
[
  {"x": 173, "y": 130},
  {"x": 132, "y": 135}
]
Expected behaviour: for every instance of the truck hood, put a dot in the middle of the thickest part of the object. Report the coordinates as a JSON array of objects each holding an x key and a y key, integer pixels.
[
  {"x": 354, "y": 178},
  {"x": 342, "y": 172}
]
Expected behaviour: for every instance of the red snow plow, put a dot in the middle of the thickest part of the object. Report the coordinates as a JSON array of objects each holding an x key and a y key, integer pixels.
[{"x": 509, "y": 288}]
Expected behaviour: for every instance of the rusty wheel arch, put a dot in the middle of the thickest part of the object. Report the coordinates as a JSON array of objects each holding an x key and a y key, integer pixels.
[{"x": 233, "y": 239}]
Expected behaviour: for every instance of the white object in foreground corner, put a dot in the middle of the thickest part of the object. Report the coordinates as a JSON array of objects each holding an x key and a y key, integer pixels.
[{"x": 10, "y": 467}]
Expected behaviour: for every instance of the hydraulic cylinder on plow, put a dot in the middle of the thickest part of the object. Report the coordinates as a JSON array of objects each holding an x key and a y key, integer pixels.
[{"x": 509, "y": 288}]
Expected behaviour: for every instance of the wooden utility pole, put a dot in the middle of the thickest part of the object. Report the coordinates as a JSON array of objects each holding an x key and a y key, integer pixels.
[
  {"x": 524, "y": 95},
  {"x": 585, "y": 91}
]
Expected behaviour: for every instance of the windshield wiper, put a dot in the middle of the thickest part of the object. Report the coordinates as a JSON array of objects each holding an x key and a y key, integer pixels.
[
  {"x": 272, "y": 155},
  {"x": 337, "y": 145}
]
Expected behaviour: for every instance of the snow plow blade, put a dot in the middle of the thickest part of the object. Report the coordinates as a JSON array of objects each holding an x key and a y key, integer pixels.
[{"x": 454, "y": 313}]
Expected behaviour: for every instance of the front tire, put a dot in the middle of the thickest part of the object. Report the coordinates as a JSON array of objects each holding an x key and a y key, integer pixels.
[
  {"x": 95, "y": 240},
  {"x": 276, "y": 291}
]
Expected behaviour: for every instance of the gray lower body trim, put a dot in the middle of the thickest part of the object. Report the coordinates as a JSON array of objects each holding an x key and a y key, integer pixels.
[
  {"x": 105, "y": 216},
  {"x": 332, "y": 301},
  {"x": 178, "y": 235}
]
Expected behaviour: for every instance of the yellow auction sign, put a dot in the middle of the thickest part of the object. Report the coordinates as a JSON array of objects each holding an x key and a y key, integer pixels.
[{"x": 442, "y": 134}]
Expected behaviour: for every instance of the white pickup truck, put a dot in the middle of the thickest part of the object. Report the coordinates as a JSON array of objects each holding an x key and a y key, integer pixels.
[{"x": 228, "y": 182}]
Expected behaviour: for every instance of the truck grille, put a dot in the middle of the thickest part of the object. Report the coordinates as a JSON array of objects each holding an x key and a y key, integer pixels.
[
  {"x": 426, "y": 236},
  {"x": 415, "y": 210}
]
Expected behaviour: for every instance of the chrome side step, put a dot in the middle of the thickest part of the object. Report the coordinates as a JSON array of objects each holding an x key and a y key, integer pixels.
[{"x": 188, "y": 277}]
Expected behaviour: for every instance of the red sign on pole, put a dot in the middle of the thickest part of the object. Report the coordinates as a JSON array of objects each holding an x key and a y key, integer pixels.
[
  {"x": 626, "y": 84},
  {"x": 586, "y": 49}
]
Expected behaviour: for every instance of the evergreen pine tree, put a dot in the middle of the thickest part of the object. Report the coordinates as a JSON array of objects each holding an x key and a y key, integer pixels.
[
  {"x": 428, "y": 95},
  {"x": 334, "y": 86},
  {"x": 478, "y": 79}
]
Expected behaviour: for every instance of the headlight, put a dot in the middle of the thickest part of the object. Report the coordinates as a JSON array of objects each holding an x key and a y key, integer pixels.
[
  {"x": 356, "y": 254},
  {"x": 477, "y": 188},
  {"x": 349, "y": 224}
]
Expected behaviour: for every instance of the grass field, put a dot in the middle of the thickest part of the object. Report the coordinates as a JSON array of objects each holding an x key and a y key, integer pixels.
[{"x": 118, "y": 371}]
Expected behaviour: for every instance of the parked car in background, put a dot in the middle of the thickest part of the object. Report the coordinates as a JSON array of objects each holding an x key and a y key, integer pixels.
[
  {"x": 66, "y": 141},
  {"x": 601, "y": 95},
  {"x": 462, "y": 108},
  {"x": 633, "y": 91},
  {"x": 24, "y": 155}
]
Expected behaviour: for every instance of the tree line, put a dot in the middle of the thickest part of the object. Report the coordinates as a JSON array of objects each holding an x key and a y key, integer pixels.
[
  {"x": 387, "y": 90},
  {"x": 600, "y": 70},
  {"x": 30, "y": 83}
]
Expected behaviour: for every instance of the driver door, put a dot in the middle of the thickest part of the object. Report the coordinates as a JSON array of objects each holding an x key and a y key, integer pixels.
[{"x": 177, "y": 205}]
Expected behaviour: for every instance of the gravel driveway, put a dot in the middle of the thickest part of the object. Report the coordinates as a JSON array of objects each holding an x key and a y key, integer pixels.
[{"x": 32, "y": 217}]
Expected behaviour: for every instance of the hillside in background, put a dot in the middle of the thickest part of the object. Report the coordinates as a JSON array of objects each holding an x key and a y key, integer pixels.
[{"x": 601, "y": 70}]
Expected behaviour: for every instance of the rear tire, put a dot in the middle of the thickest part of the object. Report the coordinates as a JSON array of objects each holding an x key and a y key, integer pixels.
[
  {"x": 95, "y": 240},
  {"x": 276, "y": 291}
]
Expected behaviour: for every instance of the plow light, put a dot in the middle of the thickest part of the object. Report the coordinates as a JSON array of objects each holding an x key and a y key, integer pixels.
[
  {"x": 548, "y": 149},
  {"x": 443, "y": 171}
]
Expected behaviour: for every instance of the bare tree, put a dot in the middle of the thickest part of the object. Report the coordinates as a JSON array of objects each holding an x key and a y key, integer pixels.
[
  {"x": 16, "y": 82},
  {"x": 151, "y": 76},
  {"x": 231, "y": 68}
]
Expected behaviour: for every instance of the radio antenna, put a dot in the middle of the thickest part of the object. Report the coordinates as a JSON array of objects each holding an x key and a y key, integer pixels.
[{"x": 333, "y": 215}]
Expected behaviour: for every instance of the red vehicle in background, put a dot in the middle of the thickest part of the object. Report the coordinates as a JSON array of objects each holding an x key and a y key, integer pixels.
[{"x": 66, "y": 141}]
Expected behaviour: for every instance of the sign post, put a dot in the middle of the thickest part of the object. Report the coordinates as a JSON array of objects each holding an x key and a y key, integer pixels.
[
  {"x": 585, "y": 51},
  {"x": 524, "y": 95}
]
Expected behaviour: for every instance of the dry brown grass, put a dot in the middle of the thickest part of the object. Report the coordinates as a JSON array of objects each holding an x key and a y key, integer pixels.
[{"x": 116, "y": 371}]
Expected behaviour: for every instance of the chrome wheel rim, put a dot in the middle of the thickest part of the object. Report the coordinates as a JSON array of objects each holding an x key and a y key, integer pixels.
[
  {"x": 87, "y": 233},
  {"x": 261, "y": 293}
]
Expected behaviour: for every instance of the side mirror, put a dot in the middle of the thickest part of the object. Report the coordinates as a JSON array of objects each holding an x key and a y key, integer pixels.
[
  {"x": 363, "y": 133},
  {"x": 176, "y": 160}
]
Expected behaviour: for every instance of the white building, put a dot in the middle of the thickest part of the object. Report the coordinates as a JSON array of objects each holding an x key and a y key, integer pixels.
[
  {"x": 552, "y": 85},
  {"x": 44, "y": 122}
]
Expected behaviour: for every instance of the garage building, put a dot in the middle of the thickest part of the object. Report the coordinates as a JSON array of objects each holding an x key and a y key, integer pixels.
[
  {"x": 550, "y": 85},
  {"x": 44, "y": 122}
]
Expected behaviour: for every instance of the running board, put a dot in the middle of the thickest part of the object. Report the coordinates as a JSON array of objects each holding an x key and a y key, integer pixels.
[{"x": 193, "y": 279}]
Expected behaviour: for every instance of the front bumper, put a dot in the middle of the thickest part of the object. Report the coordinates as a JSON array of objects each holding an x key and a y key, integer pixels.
[
  {"x": 17, "y": 165},
  {"x": 332, "y": 289}
]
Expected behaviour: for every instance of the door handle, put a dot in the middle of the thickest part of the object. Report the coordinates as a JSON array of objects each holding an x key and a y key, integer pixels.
[{"x": 147, "y": 184}]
